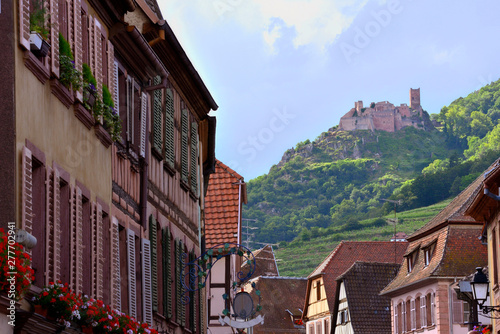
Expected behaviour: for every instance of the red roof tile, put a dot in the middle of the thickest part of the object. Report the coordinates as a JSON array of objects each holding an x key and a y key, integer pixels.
[{"x": 222, "y": 205}]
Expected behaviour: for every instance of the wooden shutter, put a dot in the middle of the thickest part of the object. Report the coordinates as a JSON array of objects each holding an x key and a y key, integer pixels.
[
  {"x": 116, "y": 86},
  {"x": 185, "y": 146},
  {"x": 52, "y": 221},
  {"x": 154, "y": 263},
  {"x": 131, "y": 273},
  {"x": 169, "y": 128},
  {"x": 423, "y": 312},
  {"x": 413, "y": 313},
  {"x": 24, "y": 23},
  {"x": 27, "y": 192},
  {"x": 54, "y": 36},
  {"x": 77, "y": 26},
  {"x": 130, "y": 109},
  {"x": 115, "y": 264},
  {"x": 177, "y": 281},
  {"x": 98, "y": 253},
  {"x": 111, "y": 69},
  {"x": 194, "y": 157},
  {"x": 144, "y": 110},
  {"x": 76, "y": 241},
  {"x": 167, "y": 274},
  {"x": 147, "y": 307},
  {"x": 157, "y": 111}
]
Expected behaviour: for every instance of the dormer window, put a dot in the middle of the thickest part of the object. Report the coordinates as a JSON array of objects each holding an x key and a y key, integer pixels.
[
  {"x": 428, "y": 253},
  {"x": 411, "y": 260}
]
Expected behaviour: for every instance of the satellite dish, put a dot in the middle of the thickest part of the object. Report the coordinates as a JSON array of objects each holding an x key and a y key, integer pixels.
[{"x": 243, "y": 305}]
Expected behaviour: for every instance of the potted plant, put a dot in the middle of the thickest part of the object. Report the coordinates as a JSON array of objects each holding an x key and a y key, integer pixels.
[
  {"x": 39, "y": 28},
  {"x": 89, "y": 87},
  {"x": 69, "y": 76},
  {"x": 16, "y": 274},
  {"x": 111, "y": 119},
  {"x": 59, "y": 300}
]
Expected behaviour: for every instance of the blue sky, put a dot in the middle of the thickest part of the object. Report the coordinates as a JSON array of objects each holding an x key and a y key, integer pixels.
[{"x": 283, "y": 71}]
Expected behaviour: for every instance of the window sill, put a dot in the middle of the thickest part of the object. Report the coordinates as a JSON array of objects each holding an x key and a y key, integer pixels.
[
  {"x": 62, "y": 93},
  {"x": 156, "y": 153},
  {"x": 168, "y": 168},
  {"x": 36, "y": 66},
  {"x": 103, "y": 135},
  {"x": 84, "y": 115}
]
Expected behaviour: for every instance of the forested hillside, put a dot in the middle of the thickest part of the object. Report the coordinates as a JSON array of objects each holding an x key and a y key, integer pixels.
[{"x": 341, "y": 178}]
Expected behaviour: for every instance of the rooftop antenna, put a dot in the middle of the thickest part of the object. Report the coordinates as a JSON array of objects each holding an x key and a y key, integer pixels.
[
  {"x": 248, "y": 234},
  {"x": 398, "y": 202}
]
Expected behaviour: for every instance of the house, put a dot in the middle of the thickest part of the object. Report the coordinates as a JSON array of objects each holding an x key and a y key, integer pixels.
[
  {"x": 265, "y": 262},
  {"x": 114, "y": 193},
  {"x": 282, "y": 299},
  {"x": 484, "y": 208},
  {"x": 223, "y": 211},
  {"x": 443, "y": 251},
  {"x": 322, "y": 282},
  {"x": 359, "y": 307}
]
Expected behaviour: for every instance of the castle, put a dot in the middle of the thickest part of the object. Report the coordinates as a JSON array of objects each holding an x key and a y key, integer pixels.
[{"x": 385, "y": 116}]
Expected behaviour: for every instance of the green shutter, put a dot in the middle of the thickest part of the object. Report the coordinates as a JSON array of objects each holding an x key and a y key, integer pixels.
[
  {"x": 167, "y": 274},
  {"x": 169, "y": 129},
  {"x": 154, "y": 259},
  {"x": 157, "y": 111},
  {"x": 194, "y": 157},
  {"x": 185, "y": 146}
]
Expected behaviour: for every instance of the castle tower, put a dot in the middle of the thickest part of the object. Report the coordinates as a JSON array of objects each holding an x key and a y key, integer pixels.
[
  {"x": 414, "y": 98},
  {"x": 358, "y": 106}
]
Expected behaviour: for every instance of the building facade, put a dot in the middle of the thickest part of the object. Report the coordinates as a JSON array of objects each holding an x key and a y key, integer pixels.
[{"x": 113, "y": 194}]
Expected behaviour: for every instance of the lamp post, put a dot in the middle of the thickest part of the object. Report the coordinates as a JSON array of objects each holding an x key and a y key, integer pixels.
[{"x": 480, "y": 291}]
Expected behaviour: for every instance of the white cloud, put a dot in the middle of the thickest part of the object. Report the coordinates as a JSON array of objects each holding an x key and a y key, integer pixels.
[{"x": 316, "y": 22}]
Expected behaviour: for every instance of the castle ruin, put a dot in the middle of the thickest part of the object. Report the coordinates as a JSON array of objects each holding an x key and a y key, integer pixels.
[{"x": 385, "y": 116}]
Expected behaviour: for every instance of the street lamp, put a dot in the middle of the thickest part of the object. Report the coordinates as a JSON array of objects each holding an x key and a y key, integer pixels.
[{"x": 480, "y": 287}]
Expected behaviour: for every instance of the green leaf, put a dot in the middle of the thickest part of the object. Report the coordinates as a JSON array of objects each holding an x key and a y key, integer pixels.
[
  {"x": 226, "y": 246},
  {"x": 225, "y": 312},
  {"x": 210, "y": 252},
  {"x": 240, "y": 253},
  {"x": 259, "y": 307},
  {"x": 257, "y": 292},
  {"x": 225, "y": 296}
]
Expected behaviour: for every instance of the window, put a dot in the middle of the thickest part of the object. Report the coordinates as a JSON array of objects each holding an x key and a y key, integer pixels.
[
  {"x": 344, "y": 316},
  {"x": 495, "y": 257},
  {"x": 418, "y": 313},
  {"x": 429, "y": 306},
  {"x": 423, "y": 311},
  {"x": 411, "y": 260},
  {"x": 428, "y": 253},
  {"x": 311, "y": 329},
  {"x": 319, "y": 327}
]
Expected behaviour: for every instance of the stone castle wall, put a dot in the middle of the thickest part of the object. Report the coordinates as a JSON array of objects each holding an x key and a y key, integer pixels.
[{"x": 384, "y": 116}]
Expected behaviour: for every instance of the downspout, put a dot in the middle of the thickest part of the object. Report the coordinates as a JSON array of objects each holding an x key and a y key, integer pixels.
[{"x": 489, "y": 194}]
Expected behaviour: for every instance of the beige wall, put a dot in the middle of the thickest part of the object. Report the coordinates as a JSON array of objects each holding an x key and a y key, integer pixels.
[{"x": 43, "y": 120}]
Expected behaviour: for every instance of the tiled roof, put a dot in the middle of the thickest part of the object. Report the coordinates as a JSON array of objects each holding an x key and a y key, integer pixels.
[
  {"x": 369, "y": 312},
  {"x": 458, "y": 251},
  {"x": 222, "y": 205},
  {"x": 278, "y": 296},
  {"x": 265, "y": 262},
  {"x": 347, "y": 253}
]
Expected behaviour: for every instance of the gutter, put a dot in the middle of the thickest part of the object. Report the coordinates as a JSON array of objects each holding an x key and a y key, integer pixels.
[
  {"x": 144, "y": 46},
  {"x": 491, "y": 195}
]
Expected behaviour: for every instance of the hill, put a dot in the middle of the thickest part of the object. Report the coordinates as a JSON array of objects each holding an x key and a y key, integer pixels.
[{"x": 332, "y": 188}]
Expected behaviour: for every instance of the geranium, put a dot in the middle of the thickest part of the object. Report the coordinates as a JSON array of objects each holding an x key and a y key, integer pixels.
[
  {"x": 16, "y": 274},
  {"x": 59, "y": 300}
]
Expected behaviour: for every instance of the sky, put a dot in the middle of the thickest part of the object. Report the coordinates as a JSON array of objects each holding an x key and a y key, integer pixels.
[{"x": 284, "y": 71}]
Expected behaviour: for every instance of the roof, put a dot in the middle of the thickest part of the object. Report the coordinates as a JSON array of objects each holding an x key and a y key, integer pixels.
[
  {"x": 223, "y": 205},
  {"x": 280, "y": 296},
  {"x": 458, "y": 251},
  {"x": 265, "y": 262},
  {"x": 369, "y": 312},
  {"x": 347, "y": 253}
]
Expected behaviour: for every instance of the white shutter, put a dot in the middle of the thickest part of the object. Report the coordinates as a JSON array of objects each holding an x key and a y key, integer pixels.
[
  {"x": 413, "y": 315},
  {"x": 396, "y": 311},
  {"x": 130, "y": 109},
  {"x": 27, "y": 192},
  {"x": 423, "y": 315},
  {"x": 147, "y": 306},
  {"x": 131, "y": 273},
  {"x": 24, "y": 23},
  {"x": 433, "y": 315},
  {"x": 116, "y": 87},
  {"x": 403, "y": 316},
  {"x": 115, "y": 263},
  {"x": 144, "y": 109}
]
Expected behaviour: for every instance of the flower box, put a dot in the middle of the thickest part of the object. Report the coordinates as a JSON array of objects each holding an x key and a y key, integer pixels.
[
  {"x": 38, "y": 45},
  {"x": 89, "y": 96}
]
